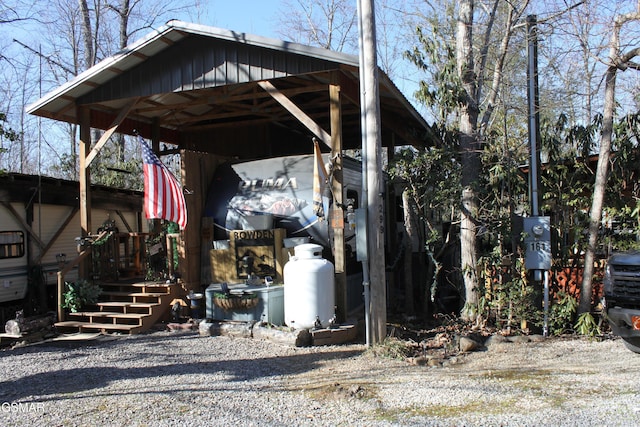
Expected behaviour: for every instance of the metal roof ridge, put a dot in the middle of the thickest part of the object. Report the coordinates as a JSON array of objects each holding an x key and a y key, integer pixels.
[{"x": 261, "y": 41}]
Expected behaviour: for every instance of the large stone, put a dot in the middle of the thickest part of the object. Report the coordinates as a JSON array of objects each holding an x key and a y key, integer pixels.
[
  {"x": 519, "y": 339},
  {"x": 467, "y": 344},
  {"x": 286, "y": 336},
  {"x": 232, "y": 329},
  {"x": 537, "y": 338},
  {"x": 495, "y": 340},
  {"x": 334, "y": 336}
]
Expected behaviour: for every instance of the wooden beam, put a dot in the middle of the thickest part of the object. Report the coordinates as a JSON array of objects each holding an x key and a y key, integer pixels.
[
  {"x": 85, "y": 183},
  {"x": 307, "y": 121},
  {"x": 107, "y": 134},
  {"x": 337, "y": 212},
  {"x": 225, "y": 98}
]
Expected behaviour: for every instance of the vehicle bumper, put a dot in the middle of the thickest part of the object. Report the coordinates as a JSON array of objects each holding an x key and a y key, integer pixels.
[{"x": 624, "y": 322}]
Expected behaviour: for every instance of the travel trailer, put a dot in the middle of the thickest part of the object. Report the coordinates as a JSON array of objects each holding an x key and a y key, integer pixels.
[
  {"x": 280, "y": 192},
  {"x": 277, "y": 194},
  {"x": 39, "y": 232}
]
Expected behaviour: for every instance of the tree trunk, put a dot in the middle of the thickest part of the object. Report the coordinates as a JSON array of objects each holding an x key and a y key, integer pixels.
[
  {"x": 595, "y": 214},
  {"x": 470, "y": 157},
  {"x": 617, "y": 60},
  {"x": 23, "y": 325},
  {"x": 87, "y": 36},
  {"x": 409, "y": 308}
]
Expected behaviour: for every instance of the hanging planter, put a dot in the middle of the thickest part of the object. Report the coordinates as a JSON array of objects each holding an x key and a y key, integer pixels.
[{"x": 244, "y": 301}]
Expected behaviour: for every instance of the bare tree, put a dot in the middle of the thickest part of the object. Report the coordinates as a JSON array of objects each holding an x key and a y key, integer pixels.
[
  {"x": 67, "y": 37},
  {"x": 330, "y": 24},
  {"x": 618, "y": 61},
  {"x": 473, "y": 125}
]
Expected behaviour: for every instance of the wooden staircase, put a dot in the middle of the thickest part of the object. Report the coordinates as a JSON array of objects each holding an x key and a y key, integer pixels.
[{"x": 124, "y": 307}]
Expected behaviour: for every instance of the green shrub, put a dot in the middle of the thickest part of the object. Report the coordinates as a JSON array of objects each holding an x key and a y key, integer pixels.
[
  {"x": 80, "y": 294},
  {"x": 586, "y": 325},
  {"x": 562, "y": 313}
]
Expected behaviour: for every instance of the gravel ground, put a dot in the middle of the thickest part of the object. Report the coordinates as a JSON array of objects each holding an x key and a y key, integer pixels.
[{"x": 182, "y": 379}]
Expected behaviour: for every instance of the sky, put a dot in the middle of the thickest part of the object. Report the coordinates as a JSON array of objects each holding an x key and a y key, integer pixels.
[{"x": 257, "y": 17}]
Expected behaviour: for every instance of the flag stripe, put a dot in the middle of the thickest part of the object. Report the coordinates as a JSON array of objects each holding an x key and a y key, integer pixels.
[{"x": 163, "y": 197}]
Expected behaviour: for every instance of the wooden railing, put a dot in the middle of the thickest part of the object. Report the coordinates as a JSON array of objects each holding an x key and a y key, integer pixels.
[
  {"x": 129, "y": 257},
  {"x": 67, "y": 268}
]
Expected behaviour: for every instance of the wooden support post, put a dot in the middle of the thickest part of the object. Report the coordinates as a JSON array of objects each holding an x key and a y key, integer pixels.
[
  {"x": 85, "y": 183},
  {"x": 337, "y": 214},
  {"x": 155, "y": 226},
  {"x": 189, "y": 256}
]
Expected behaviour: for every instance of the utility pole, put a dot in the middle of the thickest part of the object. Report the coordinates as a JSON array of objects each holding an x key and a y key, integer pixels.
[
  {"x": 537, "y": 228},
  {"x": 374, "y": 265}
]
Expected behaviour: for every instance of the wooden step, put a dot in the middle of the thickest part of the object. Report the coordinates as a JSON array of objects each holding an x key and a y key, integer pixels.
[
  {"x": 108, "y": 314},
  {"x": 142, "y": 287},
  {"x": 127, "y": 306},
  {"x": 110, "y": 317},
  {"x": 103, "y": 327},
  {"x": 134, "y": 295}
]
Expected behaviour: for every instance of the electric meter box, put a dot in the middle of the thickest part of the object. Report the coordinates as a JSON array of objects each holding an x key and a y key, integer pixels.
[{"x": 537, "y": 242}]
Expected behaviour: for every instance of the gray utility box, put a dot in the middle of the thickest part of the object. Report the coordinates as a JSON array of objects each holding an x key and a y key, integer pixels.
[
  {"x": 537, "y": 242},
  {"x": 269, "y": 308}
]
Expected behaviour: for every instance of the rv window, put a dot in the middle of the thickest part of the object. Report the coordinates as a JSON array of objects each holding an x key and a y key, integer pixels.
[{"x": 11, "y": 244}]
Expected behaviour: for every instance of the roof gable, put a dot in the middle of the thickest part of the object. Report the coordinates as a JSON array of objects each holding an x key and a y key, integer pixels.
[{"x": 199, "y": 62}]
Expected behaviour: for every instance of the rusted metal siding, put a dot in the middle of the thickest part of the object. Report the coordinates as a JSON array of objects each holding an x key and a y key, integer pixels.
[{"x": 198, "y": 63}]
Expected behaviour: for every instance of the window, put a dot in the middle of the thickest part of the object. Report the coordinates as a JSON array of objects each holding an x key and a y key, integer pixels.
[{"x": 11, "y": 244}]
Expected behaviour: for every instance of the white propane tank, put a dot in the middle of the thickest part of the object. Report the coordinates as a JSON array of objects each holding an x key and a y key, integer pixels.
[{"x": 309, "y": 292}]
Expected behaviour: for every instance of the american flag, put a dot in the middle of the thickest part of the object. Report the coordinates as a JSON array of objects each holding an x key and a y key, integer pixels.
[{"x": 163, "y": 197}]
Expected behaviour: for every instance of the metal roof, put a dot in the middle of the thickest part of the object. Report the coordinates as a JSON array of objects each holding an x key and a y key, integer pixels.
[{"x": 194, "y": 82}]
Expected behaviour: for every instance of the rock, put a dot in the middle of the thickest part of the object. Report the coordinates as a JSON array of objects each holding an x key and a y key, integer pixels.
[
  {"x": 433, "y": 362},
  {"x": 233, "y": 329},
  {"x": 496, "y": 339},
  {"x": 286, "y": 336},
  {"x": 537, "y": 338},
  {"x": 182, "y": 326},
  {"x": 519, "y": 339},
  {"x": 467, "y": 344}
]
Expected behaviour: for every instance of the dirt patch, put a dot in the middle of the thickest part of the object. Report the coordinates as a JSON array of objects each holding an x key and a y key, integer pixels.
[{"x": 537, "y": 378}]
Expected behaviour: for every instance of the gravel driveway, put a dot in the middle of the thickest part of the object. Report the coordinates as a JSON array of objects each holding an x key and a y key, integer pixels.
[{"x": 182, "y": 379}]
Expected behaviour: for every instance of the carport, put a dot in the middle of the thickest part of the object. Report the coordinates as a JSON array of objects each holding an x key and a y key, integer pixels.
[{"x": 211, "y": 95}]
